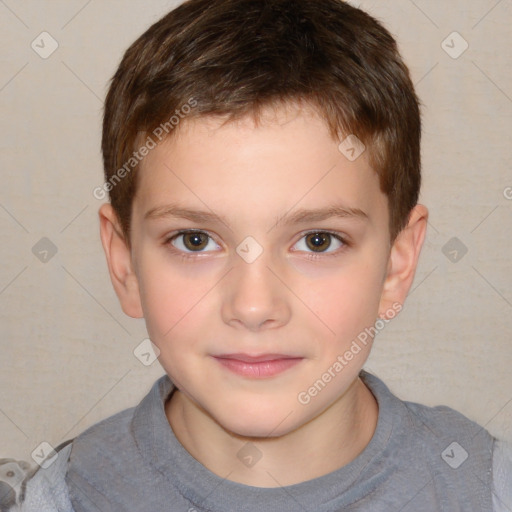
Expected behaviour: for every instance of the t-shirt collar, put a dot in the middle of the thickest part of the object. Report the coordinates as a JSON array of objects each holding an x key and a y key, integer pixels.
[{"x": 161, "y": 450}]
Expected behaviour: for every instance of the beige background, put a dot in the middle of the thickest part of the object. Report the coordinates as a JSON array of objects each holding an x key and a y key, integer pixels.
[{"x": 66, "y": 347}]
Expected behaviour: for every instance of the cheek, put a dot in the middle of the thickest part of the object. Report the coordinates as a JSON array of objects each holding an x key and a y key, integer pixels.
[
  {"x": 347, "y": 301},
  {"x": 172, "y": 296},
  {"x": 174, "y": 315}
]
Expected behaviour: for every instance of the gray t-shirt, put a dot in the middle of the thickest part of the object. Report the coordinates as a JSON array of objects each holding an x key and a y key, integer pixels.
[{"x": 419, "y": 459}]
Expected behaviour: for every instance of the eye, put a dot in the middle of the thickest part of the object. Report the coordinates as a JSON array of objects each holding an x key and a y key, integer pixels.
[
  {"x": 193, "y": 241},
  {"x": 319, "y": 242}
]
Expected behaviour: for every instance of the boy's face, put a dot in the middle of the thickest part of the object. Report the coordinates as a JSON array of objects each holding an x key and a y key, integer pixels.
[{"x": 245, "y": 313}]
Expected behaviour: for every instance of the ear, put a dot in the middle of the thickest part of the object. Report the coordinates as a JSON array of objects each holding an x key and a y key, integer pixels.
[
  {"x": 403, "y": 260},
  {"x": 119, "y": 262}
]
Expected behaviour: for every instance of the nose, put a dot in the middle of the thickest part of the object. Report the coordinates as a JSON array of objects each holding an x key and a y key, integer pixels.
[{"x": 254, "y": 298}]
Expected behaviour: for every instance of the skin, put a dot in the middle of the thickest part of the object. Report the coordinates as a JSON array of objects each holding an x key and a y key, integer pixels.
[{"x": 291, "y": 300}]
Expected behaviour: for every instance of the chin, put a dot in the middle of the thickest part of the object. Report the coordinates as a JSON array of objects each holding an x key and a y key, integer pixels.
[
  {"x": 257, "y": 423},
  {"x": 260, "y": 431}
]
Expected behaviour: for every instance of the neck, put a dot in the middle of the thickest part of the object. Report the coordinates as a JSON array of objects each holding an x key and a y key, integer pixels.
[{"x": 328, "y": 442}]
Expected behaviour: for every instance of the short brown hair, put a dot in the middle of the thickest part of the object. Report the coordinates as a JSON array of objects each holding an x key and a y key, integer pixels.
[{"x": 234, "y": 57}]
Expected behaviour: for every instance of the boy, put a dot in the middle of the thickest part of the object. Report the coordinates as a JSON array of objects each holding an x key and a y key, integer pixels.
[{"x": 263, "y": 165}]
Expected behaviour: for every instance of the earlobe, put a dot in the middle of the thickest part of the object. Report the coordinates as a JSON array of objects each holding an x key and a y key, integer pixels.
[
  {"x": 403, "y": 260},
  {"x": 119, "y": 261}
]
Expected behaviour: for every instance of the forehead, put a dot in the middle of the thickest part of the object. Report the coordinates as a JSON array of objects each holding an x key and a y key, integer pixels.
[{"x": 288, "y": 159}]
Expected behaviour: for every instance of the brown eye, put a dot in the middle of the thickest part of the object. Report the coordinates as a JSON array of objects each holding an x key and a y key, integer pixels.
[
  {"x": 318, "y": 242},
  {"x": 195, "y": 241}
]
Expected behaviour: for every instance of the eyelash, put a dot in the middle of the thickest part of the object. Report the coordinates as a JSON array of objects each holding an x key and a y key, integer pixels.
[{"x": 311, "y": 256}]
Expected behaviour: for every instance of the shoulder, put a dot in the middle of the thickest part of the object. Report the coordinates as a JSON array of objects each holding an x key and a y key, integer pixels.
[
  {"x": 450, "y": 436},
  {"x": 442, "y": 420},
  {"x": 437, "y": 421},
  {"x": 440, "y": 446},
  {"x": 106, "y": 443},
  {"x": 46, "y": 490},
  {"x": 423, "y": 425},
  {"x": 112, "y": 427},
  {"x": 453, "y": 434},
  {"x": 502, "y": 476}
]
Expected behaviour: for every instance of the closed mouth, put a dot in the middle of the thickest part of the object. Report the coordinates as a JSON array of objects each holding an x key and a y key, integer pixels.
[{"x": 258, "y": 367}]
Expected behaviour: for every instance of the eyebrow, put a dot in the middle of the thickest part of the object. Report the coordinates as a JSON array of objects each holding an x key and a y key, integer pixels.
[{"x": 299, "y": 216}]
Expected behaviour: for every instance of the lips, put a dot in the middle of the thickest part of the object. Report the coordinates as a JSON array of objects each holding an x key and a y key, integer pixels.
[{"x": 257, "y": 366}]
